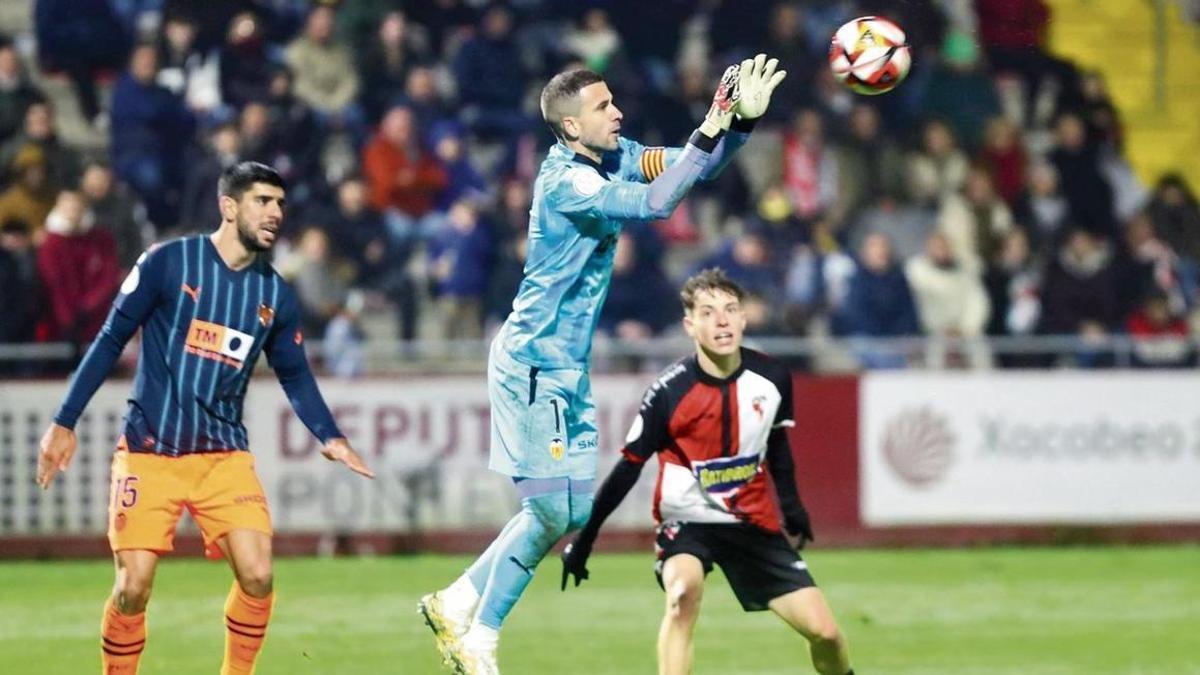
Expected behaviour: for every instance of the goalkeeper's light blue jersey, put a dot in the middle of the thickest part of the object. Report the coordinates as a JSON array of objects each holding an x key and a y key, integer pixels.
[{"x": 578, "y": 210}]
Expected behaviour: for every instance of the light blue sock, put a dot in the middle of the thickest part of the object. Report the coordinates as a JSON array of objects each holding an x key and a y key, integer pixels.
[
  {"x": 544, "y": 518},
  {"x": 481, "y": 569}
]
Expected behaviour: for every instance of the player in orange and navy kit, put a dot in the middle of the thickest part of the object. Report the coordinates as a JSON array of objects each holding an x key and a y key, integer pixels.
[
  {"x": 717, "y": 421},
  {"x": 208, "y": 306}
]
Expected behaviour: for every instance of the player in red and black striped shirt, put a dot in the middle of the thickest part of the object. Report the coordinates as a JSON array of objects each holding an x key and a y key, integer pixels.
[{"x": 718, "y": 422}]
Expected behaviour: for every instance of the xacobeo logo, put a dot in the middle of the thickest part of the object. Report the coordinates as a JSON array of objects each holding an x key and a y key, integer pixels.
[{"x": 918, "y": 446}]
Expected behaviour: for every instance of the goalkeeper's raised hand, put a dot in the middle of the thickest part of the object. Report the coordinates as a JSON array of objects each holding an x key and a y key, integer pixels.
[
  {"x": 574, "y": 560},
  {"x": 720, "y": 114},
  {"x": 757, "y": 80}
]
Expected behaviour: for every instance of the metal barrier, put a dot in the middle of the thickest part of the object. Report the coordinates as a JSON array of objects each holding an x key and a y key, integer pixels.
[{"x": 819, "y": 354}]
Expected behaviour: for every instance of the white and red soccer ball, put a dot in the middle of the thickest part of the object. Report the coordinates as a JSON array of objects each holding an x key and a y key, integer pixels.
[{"x": 870, "y": 55}]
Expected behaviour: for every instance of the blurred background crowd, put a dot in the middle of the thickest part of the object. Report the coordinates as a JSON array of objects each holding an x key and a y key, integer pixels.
[{"x": 988, "y": 195}]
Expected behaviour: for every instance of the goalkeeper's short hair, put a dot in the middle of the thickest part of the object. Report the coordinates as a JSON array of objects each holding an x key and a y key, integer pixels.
[{"x": 560, "y": 96}]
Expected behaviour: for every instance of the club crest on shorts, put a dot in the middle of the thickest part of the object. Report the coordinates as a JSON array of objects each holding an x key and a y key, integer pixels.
[
  {"x": 557, "y": 449},
  {"x": 265, "y": 315},
  {"x": 119, "y": 522}
]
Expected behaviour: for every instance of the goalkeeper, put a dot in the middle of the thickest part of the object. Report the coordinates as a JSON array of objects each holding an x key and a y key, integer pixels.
[
  {"x": 543, "y": 421},
  {"x": 718, "y": 422}
]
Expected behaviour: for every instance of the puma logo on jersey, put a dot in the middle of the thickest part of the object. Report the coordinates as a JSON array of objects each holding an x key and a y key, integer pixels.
[{"x": 193, "y": 293}]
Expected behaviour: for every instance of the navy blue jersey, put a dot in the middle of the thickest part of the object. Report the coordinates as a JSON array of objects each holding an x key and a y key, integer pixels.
[{"x": 204, "y": 327}]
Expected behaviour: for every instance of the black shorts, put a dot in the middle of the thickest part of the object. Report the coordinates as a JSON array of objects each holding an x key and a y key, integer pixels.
[{"x": 760, "y": 565}]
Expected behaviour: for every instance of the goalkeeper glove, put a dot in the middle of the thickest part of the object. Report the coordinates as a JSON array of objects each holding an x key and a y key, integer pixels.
[
  {"x": 574, "y": 560},
  {"x": 720, "y": 115},
  {"x": 756, "y": 82}
]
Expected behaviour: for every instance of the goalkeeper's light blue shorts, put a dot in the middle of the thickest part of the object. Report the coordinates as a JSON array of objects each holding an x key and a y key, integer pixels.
[{"x": 543, "y": 422}]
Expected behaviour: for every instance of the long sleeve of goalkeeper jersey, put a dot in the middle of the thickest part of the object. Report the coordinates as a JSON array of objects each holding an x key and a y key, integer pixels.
[
  {"x": 140, "y": 293},
  {"x": 285, "y": 354},
  {"x": 583, "y": 193}
]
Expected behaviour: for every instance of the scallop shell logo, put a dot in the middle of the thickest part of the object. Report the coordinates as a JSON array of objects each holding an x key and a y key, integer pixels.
[{"x": 919, "y": 446}]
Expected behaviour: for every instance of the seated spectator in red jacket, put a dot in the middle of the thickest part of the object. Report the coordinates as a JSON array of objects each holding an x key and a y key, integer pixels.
[
  {"x": 403, "y": 179},
  {"x": 1160, "y": 337},
  {"x": 77, "y": 264}
]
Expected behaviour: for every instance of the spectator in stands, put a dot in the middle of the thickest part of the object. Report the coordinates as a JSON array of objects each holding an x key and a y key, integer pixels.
[
  {"x": 817, "y": 279},
  {"x": 342, "y": 348},
  {"x": 1099, "y": 113},
  {"x": 198, "y": 211},
  {"x": 1160, "y": 337},
  {"x": 17, "y": 93},
  {"x": 424, "y": 99},
  {"x": 1043, "y": 209},
  {"x": 459, "y": 254},
  {"x": 257, "y": 142},
  {"x": 1004, "y": 156},
  {"x": 385, "y": 64},
  {"x": 403, "y": 180},
  {"x": 1150, "y": 266},
  {"x": 939, "y": 167},
  {"x": 29, "y": 199},
  {"x": 246, "y": 66},
  {"x": 1176, "y": 216},
  {"x": 951, "y": 303},
  {"x": 81, "y": 38},
  {"x": 492, "y": 78},
  {"x": 639, "y": 303},
  {"x": 593, "y": 40},
  {"x": 1079, "y": 294},
  {"x": 975, "y": 221},
  {"x": 323, "y": 67},
  {"x": 810, "y": 166},
  {"x": 870, "y": 165},
  {"x": 1013, "y": 33},
  {"x": 1089, "y": 194},
  {"x": 1013, "y": 280},
  {"x": 747, "y": 260},
  {"x": 358, "y": 234},
  {"x": 505, "y": 278},
  {"x": 38, "y": 130},
  {"x": 463, "y": 181},
  {"x": 297, "y": 139},
  {"x": 190, "y": 73},
  {"x": 906, "y": 225},
  {"x": 151, "y": 130},
  {"x": 960, "y": 91},
  {"x": 77, "y": 265},
  {"x": 878, "y": 304},
  {"x": 118, "y": 212},
  {"x": 320, "y": 282},
  {"x": 510, "y": 216},
  {"x": 19, "y": 287},
  {"x": 788, "y": 42}
]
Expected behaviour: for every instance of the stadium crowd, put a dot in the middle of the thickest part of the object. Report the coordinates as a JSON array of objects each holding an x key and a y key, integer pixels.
[{"x": 987, "y": 195}]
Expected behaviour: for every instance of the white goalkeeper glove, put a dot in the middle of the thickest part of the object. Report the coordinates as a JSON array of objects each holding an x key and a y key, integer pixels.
[
  {"x": 756, "y": 82},
  {"x": 720, "y": 114}
]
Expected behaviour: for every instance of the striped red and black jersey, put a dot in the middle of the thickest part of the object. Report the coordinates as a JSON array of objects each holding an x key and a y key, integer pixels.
[{"x": 712, "y": 438}]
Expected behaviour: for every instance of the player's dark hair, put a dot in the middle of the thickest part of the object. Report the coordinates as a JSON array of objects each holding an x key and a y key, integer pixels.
[
  {"x": 242, "y": 176},
  {"x": 711, "y": 279},
  {"x": 560, "y": 92}
]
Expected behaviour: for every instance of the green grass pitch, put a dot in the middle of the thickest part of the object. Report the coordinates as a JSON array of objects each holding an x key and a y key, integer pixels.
[{"x": 989, "y": 611}]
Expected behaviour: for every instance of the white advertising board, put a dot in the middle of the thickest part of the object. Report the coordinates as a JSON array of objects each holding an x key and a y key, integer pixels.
[
  {"x": 1035, "y": 448},
  {"x": 426, "y": 438}
]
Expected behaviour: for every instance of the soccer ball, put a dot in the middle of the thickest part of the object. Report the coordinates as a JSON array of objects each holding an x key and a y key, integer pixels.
[{"x": 869, "y": 55}]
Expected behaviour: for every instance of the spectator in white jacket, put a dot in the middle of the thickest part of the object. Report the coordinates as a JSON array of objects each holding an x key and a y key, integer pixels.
[{"x": 951, "y": 303}]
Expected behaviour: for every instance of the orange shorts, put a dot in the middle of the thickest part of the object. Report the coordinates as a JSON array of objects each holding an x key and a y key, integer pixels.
[{"x": 149, "y": 493}]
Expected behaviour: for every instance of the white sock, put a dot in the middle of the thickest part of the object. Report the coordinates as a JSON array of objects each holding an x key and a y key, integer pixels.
[
  {"x": 460, "y": 598},
  {"x": 482, "y": 638}
]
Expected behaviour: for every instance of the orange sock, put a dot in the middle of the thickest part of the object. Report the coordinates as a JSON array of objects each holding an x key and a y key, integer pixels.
[
  {"x": 123, "y": 637},
  {"x": 246, "y": 620}
]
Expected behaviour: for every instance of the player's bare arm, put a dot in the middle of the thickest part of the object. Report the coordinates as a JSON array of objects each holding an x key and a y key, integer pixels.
[{"x": 57, "y": 449}]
